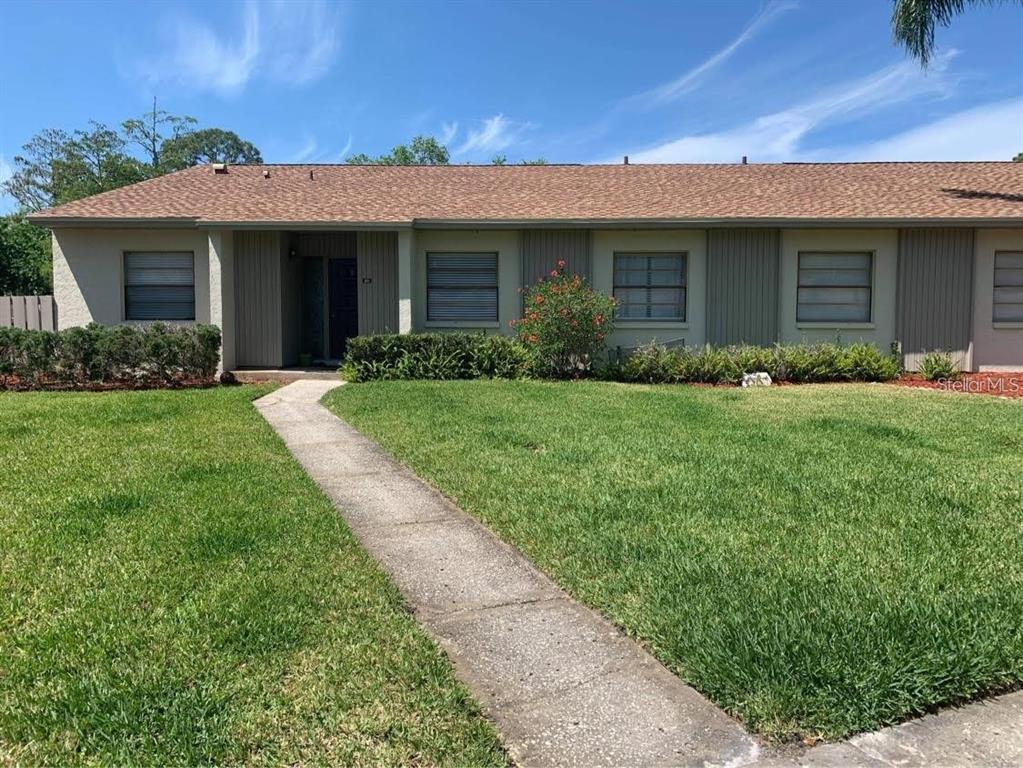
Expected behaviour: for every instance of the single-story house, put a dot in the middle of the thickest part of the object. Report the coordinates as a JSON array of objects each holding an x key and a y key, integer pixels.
[{"x": 293, "y": 260}]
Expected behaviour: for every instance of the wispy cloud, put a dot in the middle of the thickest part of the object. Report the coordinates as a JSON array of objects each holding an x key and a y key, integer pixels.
[
  {"x": 7, "y": 203},
  {"x": 494, "y": 134},
  {"x": 695, "y": 77},
  {"x": 778, "y": 136},
  {"x": 949, "y": 138},
  {"x": 285, "y": 42},
  {"x": 306, "y": 151},
  {"x": 447, "y": 132},
  {"x": 347, "y": 148}
]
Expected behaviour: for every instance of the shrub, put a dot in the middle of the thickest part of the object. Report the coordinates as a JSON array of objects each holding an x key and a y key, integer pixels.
[
  {"x": 565, "y": 324},
  {"x": 434, "y": 356},
  {"x": 109, "y": 357},
  {"x": 939, "y": 365},
  {"x": 726, "y": 365}
]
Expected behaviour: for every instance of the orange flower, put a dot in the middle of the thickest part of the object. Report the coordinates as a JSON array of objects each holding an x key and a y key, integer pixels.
[
  {"x": 532, "y": 338},
  {"x": 540, "y": 299},
  {"x": 561, "y": 263},
  {"x": 554, "y": 273}
]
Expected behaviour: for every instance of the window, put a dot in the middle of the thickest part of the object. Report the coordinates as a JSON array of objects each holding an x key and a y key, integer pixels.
[
  {"x": 461, "y": 287},
  {"x": 650, "y": 286},
  {"x": 834, "y": 287},
  {"x": 159, "y": 286},
  {"x": 1008, "y": 303}
]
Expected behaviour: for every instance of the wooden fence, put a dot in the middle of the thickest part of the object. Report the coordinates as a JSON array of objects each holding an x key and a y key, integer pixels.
[{"x": 34, "y": 313}]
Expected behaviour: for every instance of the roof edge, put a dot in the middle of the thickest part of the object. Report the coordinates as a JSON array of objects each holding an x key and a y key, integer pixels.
[{"x": 54, "y": 222}]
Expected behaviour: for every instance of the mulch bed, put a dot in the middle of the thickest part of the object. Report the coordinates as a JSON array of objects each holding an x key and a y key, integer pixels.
[
  {"x": 997, "y": 384},
  {"x": 12, "y": 383}
]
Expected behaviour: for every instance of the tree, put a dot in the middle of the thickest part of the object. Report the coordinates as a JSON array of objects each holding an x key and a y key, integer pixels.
[
  {"x": 1018, "y": 158},
  {"x": 914, "y": 22},
  {"x": 499, "y": 160},
  {"x": 208, "y": 145},
  {"x": 25, "y": 262},
  {"x": 58, "y": 167},
  {"x": 422, "y": 150},
  {"x": 147, "y": 132}
]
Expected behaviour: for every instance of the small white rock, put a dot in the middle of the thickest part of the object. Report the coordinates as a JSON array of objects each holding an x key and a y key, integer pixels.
[{"x": 759, "y": 379}]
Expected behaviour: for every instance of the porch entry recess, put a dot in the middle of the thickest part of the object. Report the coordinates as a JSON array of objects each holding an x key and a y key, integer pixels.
[
  {"x": 329, "y": 292},
  {"x": 303, "y": 295}
]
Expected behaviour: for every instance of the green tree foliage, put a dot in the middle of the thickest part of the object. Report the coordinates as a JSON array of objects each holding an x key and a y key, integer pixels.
[
  {"x": 208, "y": 145},
  {"x": 422, "y": 150},
  {"x": 914, "y": 22},
  {"x": 25, "y": 264},
  {"x": 503, "y": 160},
  {"x": 58, "y": 166},
  {"x": 1018, "y": 158},
  {"x": 148, "y": 132}
]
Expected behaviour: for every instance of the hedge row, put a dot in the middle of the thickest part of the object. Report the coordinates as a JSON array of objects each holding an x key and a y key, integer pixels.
[
  {"x": 435, "y": 356},
  {"x": 801, "y": 363},
  {"x": 478, "y": 356},
  {"x": 100, "y": 356}
]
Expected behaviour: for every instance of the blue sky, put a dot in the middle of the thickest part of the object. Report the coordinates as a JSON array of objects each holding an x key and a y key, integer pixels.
[{"x": 571, "y": 82}]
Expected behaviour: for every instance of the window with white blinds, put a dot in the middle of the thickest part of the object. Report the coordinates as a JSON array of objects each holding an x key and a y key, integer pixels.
[
  {"x": 650, "y": 286},
  {"x": 1008, "y": 300},
  {"x": 834, "y": 287},
  {"x": 159, "y": 286},
  {"x": 461, "y": 287}
]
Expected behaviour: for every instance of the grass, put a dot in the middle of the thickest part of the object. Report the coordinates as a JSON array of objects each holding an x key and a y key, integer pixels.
[
  {"x": 817, "y": 560},
  {"x": 174, "y": 590}
]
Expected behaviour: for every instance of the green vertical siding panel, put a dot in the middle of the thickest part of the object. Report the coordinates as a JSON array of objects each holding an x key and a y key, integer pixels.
[
  {"x": 258, "y": 320},
  {"x": 934, "y": 304},
  {"x": 542, "y": 249},
  {"x": 378, "y": 282},
  {"x": 742, "y": 286}
]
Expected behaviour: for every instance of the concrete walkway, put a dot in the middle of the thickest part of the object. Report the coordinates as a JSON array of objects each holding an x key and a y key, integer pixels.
[
  {"x": 987, "y": 733},
  {"x": 563, "y": 686}
]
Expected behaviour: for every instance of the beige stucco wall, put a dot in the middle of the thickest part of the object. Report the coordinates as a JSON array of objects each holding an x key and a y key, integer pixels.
[
  {"x": 88, "y": 280},
  {"x": 88, "y": 284},
  {"x": 693, "y": 242},
  {"x": 995, "y": 346},
  {"x": 884, "y": 243},
  {"x": 505, "y": 243}
]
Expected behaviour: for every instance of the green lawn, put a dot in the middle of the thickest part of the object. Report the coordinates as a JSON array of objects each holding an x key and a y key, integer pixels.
[
  {"x": 816, "y": 560},
  {"x": 175, "y": 591}
]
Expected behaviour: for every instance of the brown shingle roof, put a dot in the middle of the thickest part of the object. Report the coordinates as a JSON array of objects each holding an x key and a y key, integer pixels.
[{"x": 352, "y": 194}]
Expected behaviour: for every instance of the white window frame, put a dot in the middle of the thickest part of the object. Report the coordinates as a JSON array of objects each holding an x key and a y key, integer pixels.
[
  {"x": 124, "y": 288},
  {"x": 625, "y": 322},
  {"x": 1016, "y": 323},
  {"x": 489, "y": 322},
  {"x": 869, "y": 322}
]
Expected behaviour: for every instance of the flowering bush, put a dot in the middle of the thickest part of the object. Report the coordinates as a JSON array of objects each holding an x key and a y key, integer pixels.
[{"x": 565, "y": 324}]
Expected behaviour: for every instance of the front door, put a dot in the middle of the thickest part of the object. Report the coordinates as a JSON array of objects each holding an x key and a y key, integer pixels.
[{"x": 344, "y": 304}]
